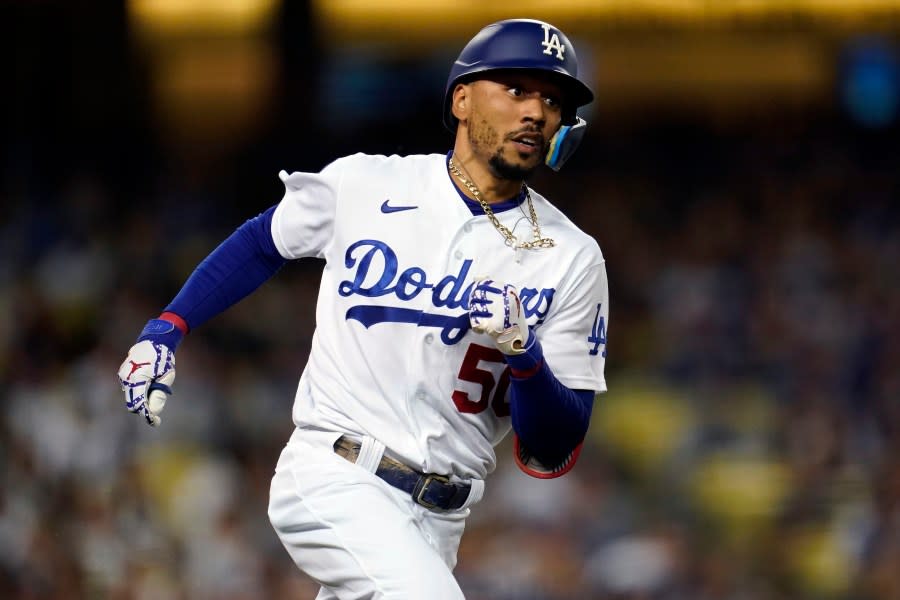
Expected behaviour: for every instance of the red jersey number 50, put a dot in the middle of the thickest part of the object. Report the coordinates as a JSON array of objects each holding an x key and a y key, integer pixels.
[{"x": 471, "y": 371}]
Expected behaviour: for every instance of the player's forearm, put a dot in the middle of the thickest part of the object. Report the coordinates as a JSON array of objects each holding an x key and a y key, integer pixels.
[
  {"x": 549, "y": 418},
  {"x": 239, "y": 265}
]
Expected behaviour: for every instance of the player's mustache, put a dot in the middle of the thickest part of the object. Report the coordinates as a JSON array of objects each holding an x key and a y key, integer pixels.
[{"x": 530, "y": 132}]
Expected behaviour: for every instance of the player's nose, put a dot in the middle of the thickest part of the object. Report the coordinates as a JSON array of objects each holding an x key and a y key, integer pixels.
[{"x": 533, "y": 110}]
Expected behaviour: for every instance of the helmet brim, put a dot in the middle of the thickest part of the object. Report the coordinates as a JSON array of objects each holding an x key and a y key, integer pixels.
[{"x": 575, "y": 92}]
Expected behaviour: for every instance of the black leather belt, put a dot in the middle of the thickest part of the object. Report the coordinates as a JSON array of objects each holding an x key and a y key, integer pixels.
[{"x": 434, "y": 492}]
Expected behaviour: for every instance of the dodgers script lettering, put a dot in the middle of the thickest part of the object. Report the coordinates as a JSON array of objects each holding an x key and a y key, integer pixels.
[{"x": 375, "y": 272}]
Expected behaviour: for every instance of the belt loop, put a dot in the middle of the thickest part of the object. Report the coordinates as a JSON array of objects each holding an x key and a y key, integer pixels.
[
  {"x": 370, "y": 453},
  {"x": 475, "y": 493}
]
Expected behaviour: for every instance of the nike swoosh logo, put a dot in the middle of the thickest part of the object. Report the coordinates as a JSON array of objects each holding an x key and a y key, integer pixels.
[{"x": 386, "y": 208}]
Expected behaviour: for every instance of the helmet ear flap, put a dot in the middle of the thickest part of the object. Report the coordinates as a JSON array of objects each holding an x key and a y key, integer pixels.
[{"x": 564, "y": 143}]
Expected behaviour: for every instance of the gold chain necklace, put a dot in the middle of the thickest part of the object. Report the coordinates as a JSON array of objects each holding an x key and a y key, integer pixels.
[{"x": 508, "y": 236}]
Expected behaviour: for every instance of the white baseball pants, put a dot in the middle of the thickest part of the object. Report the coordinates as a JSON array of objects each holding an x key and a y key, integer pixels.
[{"x": 357, "y": 536}]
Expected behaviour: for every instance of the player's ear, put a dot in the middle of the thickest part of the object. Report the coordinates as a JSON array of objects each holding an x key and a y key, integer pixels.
[{"x": 460, "y": 102}]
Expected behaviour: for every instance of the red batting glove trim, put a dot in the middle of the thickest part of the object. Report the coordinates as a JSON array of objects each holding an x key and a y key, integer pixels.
[{"x": 176, "y": 321}]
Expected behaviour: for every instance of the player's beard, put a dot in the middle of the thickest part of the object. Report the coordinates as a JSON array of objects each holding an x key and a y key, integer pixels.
[
  {"x": 485, "y": 136},
  {"x": 503, "y": 169}
]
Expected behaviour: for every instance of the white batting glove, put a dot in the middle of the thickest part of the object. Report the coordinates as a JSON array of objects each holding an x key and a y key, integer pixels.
[
  {"x": 496, "y": 310},
  {"x": 146, "y": 377}
]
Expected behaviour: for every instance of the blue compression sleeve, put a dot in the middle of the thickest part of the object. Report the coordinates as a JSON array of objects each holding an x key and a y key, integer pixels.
[
  {"x": 549, "y": 418},
  {"x": 243, "y": 262}
]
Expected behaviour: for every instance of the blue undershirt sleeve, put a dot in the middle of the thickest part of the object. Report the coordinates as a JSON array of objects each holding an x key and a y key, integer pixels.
[
  {"x": 549, "y": 418},
  {"x": 239, "y": 265}
]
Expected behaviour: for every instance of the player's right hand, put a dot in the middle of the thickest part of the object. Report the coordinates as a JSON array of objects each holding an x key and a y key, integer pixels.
[{"x": 146, "y": 377}]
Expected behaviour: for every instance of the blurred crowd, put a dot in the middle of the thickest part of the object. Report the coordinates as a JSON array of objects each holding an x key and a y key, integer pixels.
[{"x": 748, "y": 447}]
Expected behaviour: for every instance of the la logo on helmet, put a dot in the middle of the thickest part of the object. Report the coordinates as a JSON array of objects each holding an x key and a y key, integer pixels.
[{"x": 551, "y": 42}]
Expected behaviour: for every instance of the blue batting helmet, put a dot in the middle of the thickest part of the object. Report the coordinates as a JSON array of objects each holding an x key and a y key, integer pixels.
[{"x": 520, "y": 44}]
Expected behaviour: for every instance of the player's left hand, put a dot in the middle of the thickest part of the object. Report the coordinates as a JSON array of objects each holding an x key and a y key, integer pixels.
[
  {"x": 146, "y": 377},
  {"x": 496, "y": 310}
]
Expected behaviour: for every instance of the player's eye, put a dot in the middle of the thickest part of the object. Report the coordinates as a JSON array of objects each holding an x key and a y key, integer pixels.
[
  {"x": 552, "y": 101},
  {"x": 516, "y": 91}
]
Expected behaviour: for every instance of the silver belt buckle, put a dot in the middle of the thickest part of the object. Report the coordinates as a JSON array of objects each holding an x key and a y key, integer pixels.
[{"x": 419, "y": 496}]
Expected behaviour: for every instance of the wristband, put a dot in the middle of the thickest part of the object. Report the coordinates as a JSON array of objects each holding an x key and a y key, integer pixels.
[
  {"x": 162, "y": 331},
  {"x": 528, "y": 363}
]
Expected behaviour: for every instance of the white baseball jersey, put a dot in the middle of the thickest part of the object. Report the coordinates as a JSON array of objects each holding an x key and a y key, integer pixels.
[{"x": 393, "y": 356}]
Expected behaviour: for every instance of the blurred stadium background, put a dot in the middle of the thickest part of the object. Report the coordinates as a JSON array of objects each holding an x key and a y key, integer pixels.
[{"x": 741, "y": 175}]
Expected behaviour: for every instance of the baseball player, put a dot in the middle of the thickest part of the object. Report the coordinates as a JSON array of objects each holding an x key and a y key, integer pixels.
[{"x": 456, "y": 304}]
